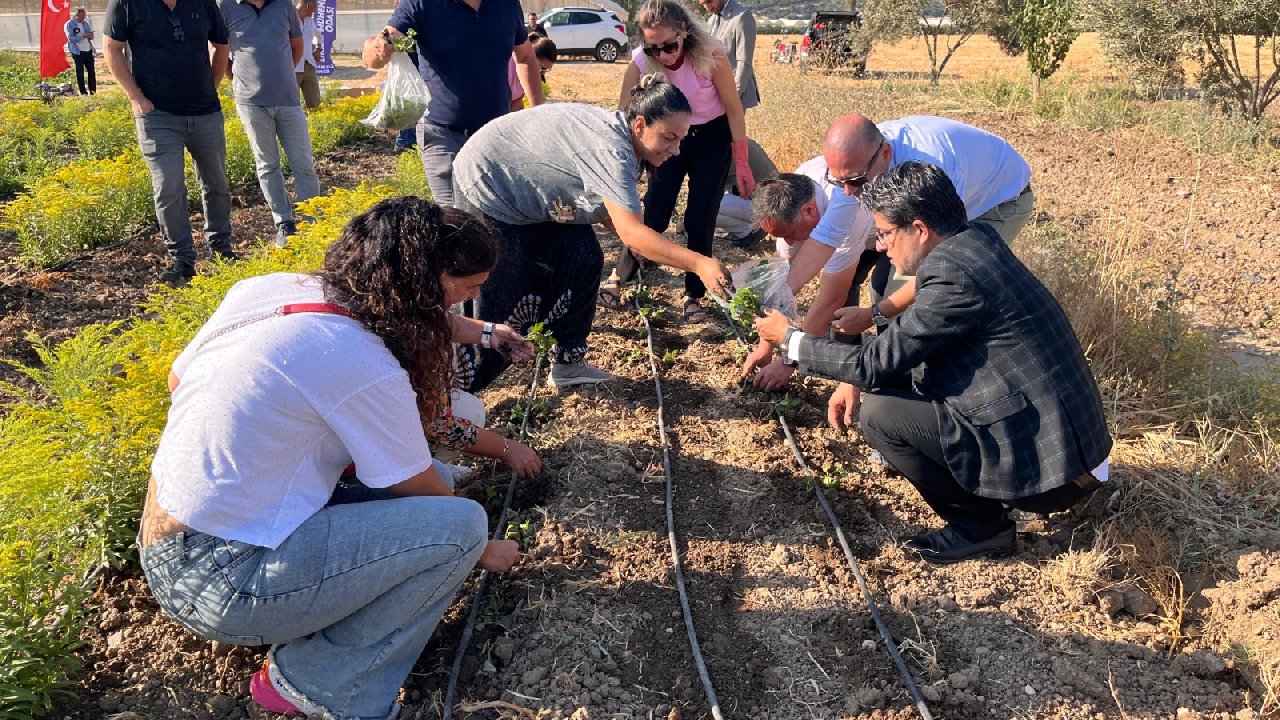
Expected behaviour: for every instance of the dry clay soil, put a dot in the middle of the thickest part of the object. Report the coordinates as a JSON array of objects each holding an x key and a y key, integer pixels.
[{"x": 589, "y": 624}]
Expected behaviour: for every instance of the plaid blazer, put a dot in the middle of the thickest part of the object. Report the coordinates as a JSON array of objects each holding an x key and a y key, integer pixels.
[{"x": 1018, "y": 409}]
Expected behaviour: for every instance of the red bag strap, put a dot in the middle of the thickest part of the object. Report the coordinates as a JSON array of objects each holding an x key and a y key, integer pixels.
[{"x": 329, "y": 308}]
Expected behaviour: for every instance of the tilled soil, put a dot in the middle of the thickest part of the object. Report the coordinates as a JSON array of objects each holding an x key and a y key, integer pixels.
[{"x": 589, "y": 624}]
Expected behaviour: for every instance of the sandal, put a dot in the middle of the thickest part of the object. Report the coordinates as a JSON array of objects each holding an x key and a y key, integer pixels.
[
  {"x": 694, "y": 312},
  {"x": 610, "y": 293}
]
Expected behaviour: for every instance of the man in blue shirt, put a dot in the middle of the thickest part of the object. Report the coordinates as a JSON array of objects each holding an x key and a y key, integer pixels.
[
  {"x": 80, "y": 45},
  {"x": 171, "y": 81},
  {"x": 266, "y": 44},
  {"x": 464, "y": 47}
]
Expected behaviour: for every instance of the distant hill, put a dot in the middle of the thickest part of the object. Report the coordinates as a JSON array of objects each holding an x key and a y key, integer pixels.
[{"x": 792, "y": 9}]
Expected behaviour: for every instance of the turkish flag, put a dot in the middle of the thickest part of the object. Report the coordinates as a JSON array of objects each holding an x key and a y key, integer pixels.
[{"x": 54, "y": 15}]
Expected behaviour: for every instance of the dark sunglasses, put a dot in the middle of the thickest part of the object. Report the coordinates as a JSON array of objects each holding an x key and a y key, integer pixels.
[
  {"x": 656, "y": 50},
  {"x": 857, "y": 181},
  {"x": 179, "y": 35}
]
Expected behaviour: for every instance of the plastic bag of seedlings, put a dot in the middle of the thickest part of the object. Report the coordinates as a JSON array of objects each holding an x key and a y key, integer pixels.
[
  {"x": 404, "y": 94},
  {"x": 760, "y": 284}
]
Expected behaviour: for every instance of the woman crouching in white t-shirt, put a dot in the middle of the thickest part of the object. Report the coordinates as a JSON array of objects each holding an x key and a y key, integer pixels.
[{"x": 294, "y": 377}]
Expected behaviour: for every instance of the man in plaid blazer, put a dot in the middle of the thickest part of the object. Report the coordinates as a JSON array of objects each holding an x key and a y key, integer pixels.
[{"x": 1003, "y": 408}]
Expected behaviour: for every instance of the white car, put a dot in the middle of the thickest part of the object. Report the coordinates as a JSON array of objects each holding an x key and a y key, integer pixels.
[{"x": 586, "y": 31}]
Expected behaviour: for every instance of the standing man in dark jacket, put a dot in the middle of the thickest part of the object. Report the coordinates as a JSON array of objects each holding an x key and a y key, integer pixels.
[
  {"x": 735, "y": 26},
  {"x": 1003, "y": 409},
  {"x": 464, "y": 49},
  {"x": 172, "y": 83}
]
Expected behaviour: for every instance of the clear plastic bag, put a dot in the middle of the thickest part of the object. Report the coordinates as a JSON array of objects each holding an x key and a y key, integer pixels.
[
  {"x": 768, "y": 278},
  {"x": 404, "y": 96}
]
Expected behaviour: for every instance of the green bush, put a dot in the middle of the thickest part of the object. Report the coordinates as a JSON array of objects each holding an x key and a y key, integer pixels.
[
  {"x": 82, "y": 205},
  {"x": 411, "y": 178},
  {"x": 77, "y": 450},
  {"x": 339, "y": 123},
  {"x": 19, "y": 74}
]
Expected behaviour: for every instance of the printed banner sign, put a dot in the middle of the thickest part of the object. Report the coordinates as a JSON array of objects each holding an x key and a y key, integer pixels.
[{"x": 327, "y": 26}]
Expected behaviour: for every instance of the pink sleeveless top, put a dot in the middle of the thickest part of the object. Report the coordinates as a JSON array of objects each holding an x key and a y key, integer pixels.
[{"x": 700, "y": 89}]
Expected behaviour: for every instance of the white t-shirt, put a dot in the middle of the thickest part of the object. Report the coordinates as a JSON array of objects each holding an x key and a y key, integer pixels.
[
  {"x": 267, "y": 415},
  {"x": 985, "y": 169},
  {"x": 308, "y": 38},
  {"x": 845, "y": 225}
]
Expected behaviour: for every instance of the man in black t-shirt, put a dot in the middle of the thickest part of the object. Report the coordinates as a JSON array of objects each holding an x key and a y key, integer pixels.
[{"x": 172, "y": 82}]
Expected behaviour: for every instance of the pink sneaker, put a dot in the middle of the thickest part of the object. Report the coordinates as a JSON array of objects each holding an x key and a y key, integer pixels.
[{"x": 266, "y": 695}]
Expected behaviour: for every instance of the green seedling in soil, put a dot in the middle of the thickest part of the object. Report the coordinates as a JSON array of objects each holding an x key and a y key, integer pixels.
[
  {"x": 832, "y": 474},
  {"x": 740, "y": 353},
  {"x": 669, "y": 357},
  {"x": 521, "y": 533},
  {"x": 788, "y": 407},
  {"x": 541, "y": 338},
  {"x": 643, "y": 294},
  {"x": 539, "y": 413},
  {"x": 634, "y": 356},
  {"x": 650, "y": 312}
]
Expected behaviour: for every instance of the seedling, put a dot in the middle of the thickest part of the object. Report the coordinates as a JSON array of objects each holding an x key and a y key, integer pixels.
[
  {"x": 406, "y": 42},
  {"x": 634, "y": 356},
  {"x": 541, "y": 338},
  {"x": 669, "y": 357},
  {"x": 788, "y": 407},
  {"x": 649, "y": 312},
  {"x": 521, "y": 533},
  {"x": 744, "y": 308},
  {"x": 539, "y": 412},
  {"x": 740, "y": 353}
]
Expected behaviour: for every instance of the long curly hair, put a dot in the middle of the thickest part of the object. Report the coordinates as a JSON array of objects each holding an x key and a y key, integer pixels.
[{"x": 386, "y": 269}]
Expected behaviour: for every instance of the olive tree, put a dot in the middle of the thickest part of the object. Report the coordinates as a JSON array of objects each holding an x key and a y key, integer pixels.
[
  {"x": 1045, "y": 29},
  {"x": 894, "y": 20},
  {"x": 1234, "y": 43}
]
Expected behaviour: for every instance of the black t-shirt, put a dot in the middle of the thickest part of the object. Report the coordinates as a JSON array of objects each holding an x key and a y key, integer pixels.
[{"x": 170, "y": 50}]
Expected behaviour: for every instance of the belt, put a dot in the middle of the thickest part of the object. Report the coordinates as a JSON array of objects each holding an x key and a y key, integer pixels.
[{"x": 454, "y": 128}]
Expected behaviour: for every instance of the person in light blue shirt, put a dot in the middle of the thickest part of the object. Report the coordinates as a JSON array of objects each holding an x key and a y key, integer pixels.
[{"x": 80, "y": 44}]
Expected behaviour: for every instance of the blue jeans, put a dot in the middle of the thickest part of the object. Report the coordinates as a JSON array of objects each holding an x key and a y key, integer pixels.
[
  {"x": 264, "y": 125},
  {"x": 348, "y": 601},
  {"x": 162, "y": 137}
]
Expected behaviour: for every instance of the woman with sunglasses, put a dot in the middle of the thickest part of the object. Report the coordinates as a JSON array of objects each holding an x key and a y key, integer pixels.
[
  {"x": 541, "y": 178},
  {"x": 246, "y": 536},
  {"x": 544, "y": 49},
  {"x": 678, "y": 46}
]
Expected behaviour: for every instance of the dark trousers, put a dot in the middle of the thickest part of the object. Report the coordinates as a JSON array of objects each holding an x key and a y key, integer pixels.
[
  {"x": 903, "y": 426},
  {"x": 704, "y": 158},
  {"x": 84, "y": 65},
  {"x": 546, "y": 273}
]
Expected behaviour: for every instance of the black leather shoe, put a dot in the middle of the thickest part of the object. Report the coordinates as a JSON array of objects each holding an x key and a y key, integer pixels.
[
  {"x": 750, "y": 240},
  {"x": 177, "y": 274},
  {"x": 945, "y": 546}
]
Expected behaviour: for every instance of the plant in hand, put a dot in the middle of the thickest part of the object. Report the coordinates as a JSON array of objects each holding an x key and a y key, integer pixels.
[{"x": 541, "y": 338}]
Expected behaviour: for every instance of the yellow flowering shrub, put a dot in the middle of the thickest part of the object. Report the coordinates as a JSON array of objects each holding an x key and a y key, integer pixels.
[
  {"x": 78, "y": 206},
  {"x": 108, "y": 130},
  {"x": 77, "y": 451},
  {"x": 338, "y": 124}
]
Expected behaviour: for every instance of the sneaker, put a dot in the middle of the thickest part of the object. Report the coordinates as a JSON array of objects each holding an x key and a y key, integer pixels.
[
  {"x": 177, "y": 274},
  {"x": 265, "y": 693},
  {"x": 579, "y": 373},
  {"x": 283, "y": 231},
  {"x": 748, "y": 241},
  {"x": 226, "y": 255}
]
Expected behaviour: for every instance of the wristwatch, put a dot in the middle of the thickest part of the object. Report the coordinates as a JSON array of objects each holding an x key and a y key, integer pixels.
[
  {"x": 486, "y": 335},
  {"x": 880, "y": 320},
  {"x": 786, "y": 344}
]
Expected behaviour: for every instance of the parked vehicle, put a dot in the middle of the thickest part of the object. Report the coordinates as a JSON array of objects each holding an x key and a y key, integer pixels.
[
  {"x": 828, "y": 41},
  {"x": 586, "y": 31}
]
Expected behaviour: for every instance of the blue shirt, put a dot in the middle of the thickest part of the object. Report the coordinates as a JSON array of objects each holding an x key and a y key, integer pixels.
[
  {"x": 262, "y": 50},
  {"x": 985, "y": 169},
  {"x": 463, "y": 56}
]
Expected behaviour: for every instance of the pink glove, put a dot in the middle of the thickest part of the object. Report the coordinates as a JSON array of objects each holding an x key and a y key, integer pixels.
[{"x": 742, "y": 169}]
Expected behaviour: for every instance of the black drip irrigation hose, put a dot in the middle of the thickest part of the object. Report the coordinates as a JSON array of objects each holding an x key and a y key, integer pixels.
[
  {"x": 885, "y": 635},
  {"x": 450, "y": 695},
  {"x": 671, "y": 523}
]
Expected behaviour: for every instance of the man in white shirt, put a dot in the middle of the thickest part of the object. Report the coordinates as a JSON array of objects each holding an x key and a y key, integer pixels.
[
  {"x": 308, "y": 82},
  {"x": 80, "y": 45}
]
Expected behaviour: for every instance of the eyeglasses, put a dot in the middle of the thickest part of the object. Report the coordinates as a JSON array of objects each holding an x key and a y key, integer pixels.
[
  {"x": 857, "y": 181},
  {"x": 179, "y": 35},
  {"x": 882, "y": 235},
  {"x": 667, "y": 48}
]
